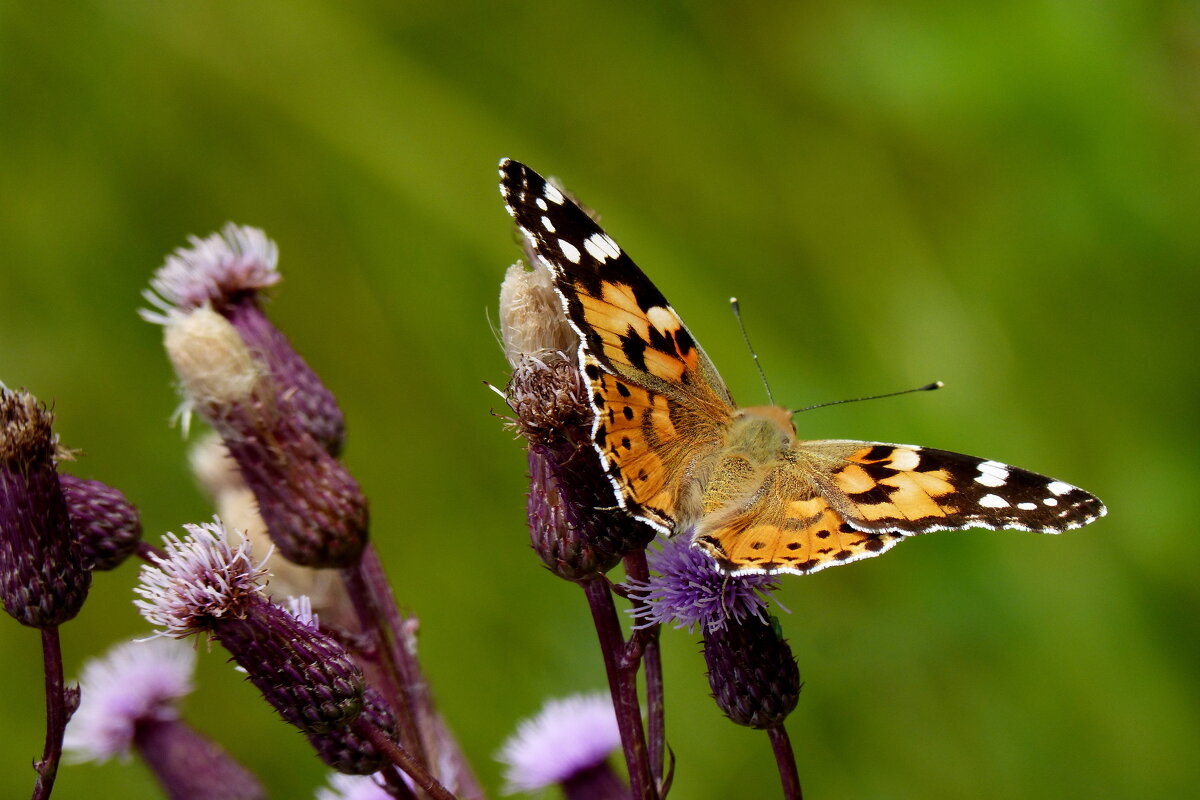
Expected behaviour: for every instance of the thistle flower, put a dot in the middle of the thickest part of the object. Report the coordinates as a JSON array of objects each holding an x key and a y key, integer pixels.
[
  {"x": 690, "y": 591},
  {"x": 206, "y": 586},
  {"x": 751, "y": 672},
  {"x": 568, "y": 742},
  {"x": 106, "y": 523},
  {"x": 346, "y": 751},
  {"x": 44, "y": 578},
  {"x": 228, "y": 272},
  {"x": 573, "y": 524},
  {"x": 130, "y": 703},
  {"x": 352, "y": 787},
  {"x": 313, "y": 508}
]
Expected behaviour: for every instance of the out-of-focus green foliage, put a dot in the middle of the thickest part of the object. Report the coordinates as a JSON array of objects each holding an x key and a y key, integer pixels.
[{"x": 1004, "y": 197}]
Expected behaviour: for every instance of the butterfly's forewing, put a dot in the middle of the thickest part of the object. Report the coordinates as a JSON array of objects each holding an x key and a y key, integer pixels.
[
  {"x": 842, "y": 500},
  {"x": 660, "y": 405}
]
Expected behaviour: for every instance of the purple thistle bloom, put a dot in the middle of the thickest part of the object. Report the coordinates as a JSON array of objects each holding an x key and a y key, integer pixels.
[
  {"x": 130, "y": 703},
  {"x": 690, "y": 591},
  {"x": 228, "y": 272},
  {"x": 352, "y": 787},
  {"x": 204, "y": 585},
  {"x": 44, "y": 577},
  {"x": 568, "y": 742},
  {"x": 106, "y": 523}
]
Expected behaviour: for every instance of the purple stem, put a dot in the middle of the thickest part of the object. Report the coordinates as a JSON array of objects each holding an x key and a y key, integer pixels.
[
  {"x": 786, "y": 760},
  {"x": 404, "y": 760},
  {"x": 637, "y": 569},
  {"x": 399, "y": 689},
  {"x": 622, "y": 683},
  {"x": 57, "y": 714},
  {"x": 396, "y": 643}
]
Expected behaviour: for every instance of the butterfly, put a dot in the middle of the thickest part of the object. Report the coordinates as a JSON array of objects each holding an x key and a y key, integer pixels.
[{"x": 683, "y": 457}]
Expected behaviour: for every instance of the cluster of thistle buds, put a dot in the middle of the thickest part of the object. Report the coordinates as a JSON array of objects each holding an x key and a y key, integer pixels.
[{"x": 346, "y": 674}]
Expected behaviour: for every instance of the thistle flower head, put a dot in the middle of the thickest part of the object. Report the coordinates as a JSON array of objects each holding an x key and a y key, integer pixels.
[
  {"x": 690, "y": 591},
  {"x": 202, "y": 579},
  {"x": 348, "y": 752},
  {"x": 352, "y": 787},
  {"x": 225, "y": 274},
  {"x": 106, "y": 523},
  {"x": 216, "y": 270},
  {"x": 133, "y": 683},
  {"x": 204, "y": 585},
  {"x": 44, "y": 576},
  {"x": 752, "y": 673},
  {"x": 566, "y": 738}
]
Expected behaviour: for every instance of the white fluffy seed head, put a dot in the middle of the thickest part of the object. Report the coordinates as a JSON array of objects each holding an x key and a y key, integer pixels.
[
  {"x": 214, "y": 365},
  {"x": 531, "y": 314}
]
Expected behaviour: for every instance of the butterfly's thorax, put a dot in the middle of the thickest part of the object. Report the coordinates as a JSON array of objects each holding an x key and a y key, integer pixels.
[{"x": 758, "y": 441}]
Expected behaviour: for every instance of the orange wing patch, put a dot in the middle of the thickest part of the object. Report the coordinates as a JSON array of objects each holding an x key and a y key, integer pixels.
[
  {"x": 785, "y": 526},
  {"x": 648, "y": 444}
]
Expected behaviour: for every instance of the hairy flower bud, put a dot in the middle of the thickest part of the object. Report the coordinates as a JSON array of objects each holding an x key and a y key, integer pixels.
[
  {"x": 227, "y": 272},
  {"x": 753, "y": 677},
  {"x": 44, "y": 578},
  {"x": 313, "y": 508}
]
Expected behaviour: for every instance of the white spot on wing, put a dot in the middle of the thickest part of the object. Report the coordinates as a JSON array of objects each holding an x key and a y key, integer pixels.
[
  {"x": 547, "y": 224},
  {"x": 1050, "y": 501},
  {"x": 569, "y": 250},
  {"x": 602, "y": 247},
  {"x": 541, "y": 204},
  {"x": 904, "y": 459},
  {"x": 993, "y": 501},
  {"x": 1059, "y": 488},
  {"x": 992, "y": 473},
  {"x": 662, "y": 318},
  {"x": 553, "y": 195},
  {"x": 1027, "y": 506}
]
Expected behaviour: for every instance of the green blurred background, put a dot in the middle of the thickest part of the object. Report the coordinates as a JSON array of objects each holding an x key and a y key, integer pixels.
[{"x": 1003, "y": 199}]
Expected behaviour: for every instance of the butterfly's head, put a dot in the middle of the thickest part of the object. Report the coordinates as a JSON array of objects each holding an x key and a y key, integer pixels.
[{"x": 767, "y": 421}]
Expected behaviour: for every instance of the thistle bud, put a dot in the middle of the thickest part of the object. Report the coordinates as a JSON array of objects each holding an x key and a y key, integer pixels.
[
  {"x": 751, "y": 672},
  {"x": 574, "y": 525},
  {"x": 205, "y": 585},
  {"x": 44, "y": 578},
  {"x": 228, "y": 272},
  {"x": 313, "y": 508},
  {"x": 106, "y": 523},
  {"x": 346, "y": 751}
]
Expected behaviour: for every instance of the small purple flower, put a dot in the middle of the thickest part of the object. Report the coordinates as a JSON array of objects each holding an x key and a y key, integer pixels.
[
  {"x": 352, "y": 787},
  {"x": 129, "y": 703},
  {"x": 228, "y": 272},
  {"x": 567, "y": 740},
  {"x": 690, "y": 591}
]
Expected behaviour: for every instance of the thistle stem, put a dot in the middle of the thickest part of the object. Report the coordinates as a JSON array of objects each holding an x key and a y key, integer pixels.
[
  {"x": 404, "y": 760},
  {"x": 637, "y": 569},
  {"x": 400, "y": 691},
  {"x": 57, "y": 714},
  {"x": 622, "y": 683},
  {"x": 786, "y": 760}
]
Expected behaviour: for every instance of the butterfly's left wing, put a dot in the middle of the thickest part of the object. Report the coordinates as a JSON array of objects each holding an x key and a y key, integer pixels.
[
  {"x": 842, "y": 500},
  {"x": 660, "y": 407}
]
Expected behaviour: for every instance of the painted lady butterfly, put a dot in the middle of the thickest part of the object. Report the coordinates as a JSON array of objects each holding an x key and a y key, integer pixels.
[{"x": 682, "y": 456}]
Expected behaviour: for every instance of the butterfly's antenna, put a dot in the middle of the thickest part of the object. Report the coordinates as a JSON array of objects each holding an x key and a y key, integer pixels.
[
  {"x": 929, "y": 387},
  {"x": 737, "y": 314}
]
